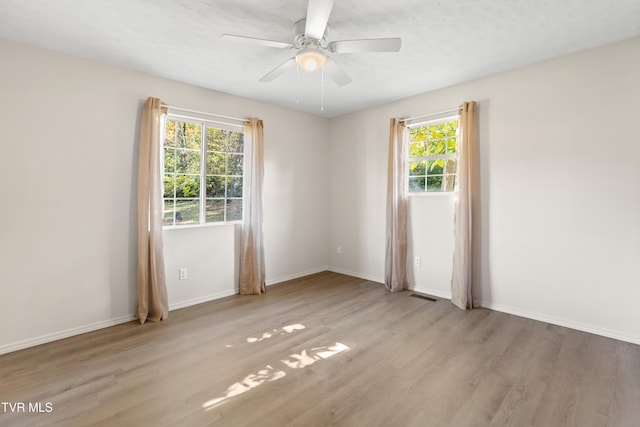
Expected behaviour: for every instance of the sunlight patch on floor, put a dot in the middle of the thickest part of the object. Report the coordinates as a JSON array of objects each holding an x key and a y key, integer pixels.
[
  {"x": 249, "y": 382},
  {"x": 285, "y": 329},
  {"x": 304, "y": 359},
  {"x": 295, "y": 361}
]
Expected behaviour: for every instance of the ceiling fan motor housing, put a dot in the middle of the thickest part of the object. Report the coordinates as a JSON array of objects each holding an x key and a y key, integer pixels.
[{"x": 301, "y": 41}]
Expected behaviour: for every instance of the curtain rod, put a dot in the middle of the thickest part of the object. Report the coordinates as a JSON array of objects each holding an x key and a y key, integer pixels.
[
  {"x": 205, "y": 113},
  {"x": 453, "y": 110}
]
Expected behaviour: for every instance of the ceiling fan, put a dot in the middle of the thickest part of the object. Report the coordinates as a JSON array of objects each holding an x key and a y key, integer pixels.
[{"x": 310, "y": 41}]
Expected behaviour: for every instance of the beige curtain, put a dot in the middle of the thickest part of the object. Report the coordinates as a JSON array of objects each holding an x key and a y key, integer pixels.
[
  {"x": 152, "y": 289},
  {"x": 252, "y": 271},
  {"x": 395, "y": 274},
  {"x": 466, "y": 205}
]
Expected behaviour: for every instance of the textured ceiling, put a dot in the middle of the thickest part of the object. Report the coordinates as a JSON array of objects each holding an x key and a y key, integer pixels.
[{"x": 443, "y": 41}]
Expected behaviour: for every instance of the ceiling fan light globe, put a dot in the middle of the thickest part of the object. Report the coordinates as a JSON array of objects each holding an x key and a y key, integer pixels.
[
  {"x": 310, "y": 64},
  {"x": 310, "y": 59}
]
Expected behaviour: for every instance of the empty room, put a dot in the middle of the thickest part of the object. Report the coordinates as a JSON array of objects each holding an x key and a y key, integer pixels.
[{"x": 320, "y": 212}]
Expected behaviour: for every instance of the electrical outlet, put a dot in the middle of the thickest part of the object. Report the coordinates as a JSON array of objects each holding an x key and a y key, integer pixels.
[
  {"x": 339, "y": 250},
  {"x": 417, "y": 261},
  {"x": 182, "y": 273}
]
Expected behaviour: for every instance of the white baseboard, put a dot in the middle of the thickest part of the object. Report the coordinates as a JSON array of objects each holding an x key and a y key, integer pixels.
[
  {"x": 281, "y": 279},
  {"x": 509, "y": 310},
  {"x": 32, "y": 342},
  {"x": 228, "y": 293},
  {"x": 561, "y": 322},
  {"x": 428, "y": 291},
  {"x": 364, "y": 276},
  {"x": 200, "y": 300}
]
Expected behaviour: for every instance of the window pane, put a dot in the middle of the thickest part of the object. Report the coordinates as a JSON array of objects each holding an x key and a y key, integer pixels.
[
  {"x": 187, "y": 211},
  {"x": 416, "y": 184},
  {"x": 417, "y": 134},
  {"x": 234, "y": 210},
  {"x": 187, "y": 186},
  {"x": 418, "y": 149},
  {"x": 451, "y": 166},
  {"x": 451, "y": 145},
  {"x": 417, "y": 168},
  {"x": 187, "y": 161},
  {"x": 169, "y": 160},
  {"x": 188, "y": 135},
  {"x": 451, "y": 182},
  {"x": 215, "y": 186},
  {"x": 436, "y": 146},
  {"x": 168, "y": 212},
  {"x": 216, "y": 139},
  {"x": 434, "y": 167},
  {"x": 169, "y": 185},
  {"x": 234, "y": 187},
  {"x": 170, "y": 133},
  {"x": 214, "y": 210},
  {"x": 215, "y": 163},
  {"x": 179, "y": 134},
  {"x": 452, "y": 128},
  {"x": 235, "y": 164},
  {"x": 236, "y": 142},
  {"x": 437, "y": 130},
  {"x": 434, "y": 183}
]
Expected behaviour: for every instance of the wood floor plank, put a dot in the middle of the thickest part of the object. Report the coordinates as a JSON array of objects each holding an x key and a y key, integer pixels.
[{"x": 323, "y": 350}]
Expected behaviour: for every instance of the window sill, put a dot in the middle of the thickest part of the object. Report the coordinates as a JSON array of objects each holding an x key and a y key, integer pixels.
[
  {"x": 433, "y": 194},
  {"x": 191, "y": 226}
]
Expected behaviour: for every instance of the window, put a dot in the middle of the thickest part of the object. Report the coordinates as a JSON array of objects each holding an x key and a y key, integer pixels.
[
  {"x": 432, "y": 156},
  {"x": 203, "y": 165}
]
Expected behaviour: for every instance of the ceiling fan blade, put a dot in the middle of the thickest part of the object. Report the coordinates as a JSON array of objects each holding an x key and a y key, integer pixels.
[
  {"x": 336, "y": 72},
  {"x": 278, "y": 71},
  {"x": 318, "y": 12},
  {"x": 257, "y": 42},
  {"x": 366, "y": 45}
]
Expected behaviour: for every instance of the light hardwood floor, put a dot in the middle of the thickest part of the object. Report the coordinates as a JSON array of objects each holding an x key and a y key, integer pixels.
[{"x": 327, "y": 350}]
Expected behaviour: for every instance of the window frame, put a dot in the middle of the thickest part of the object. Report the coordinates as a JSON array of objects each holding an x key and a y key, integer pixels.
[
  {"x": 202, "y": 198},
  {"x": 446, "y": 156}
]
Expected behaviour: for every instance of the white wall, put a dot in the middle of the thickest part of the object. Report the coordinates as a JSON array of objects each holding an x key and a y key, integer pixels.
[
  {"x": 560, "y": 189},
  {"x": 560, "y": 177},
  {"x": 67, "y": 223}
]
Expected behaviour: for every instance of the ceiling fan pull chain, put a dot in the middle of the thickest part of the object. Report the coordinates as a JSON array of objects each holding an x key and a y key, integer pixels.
[
  {"x": 297, "y": 83},
  {"x": 322, "y": 90}
]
